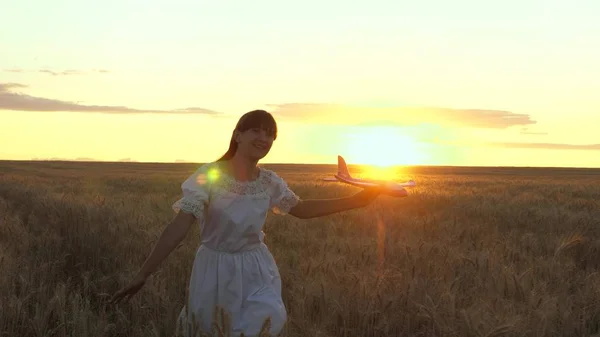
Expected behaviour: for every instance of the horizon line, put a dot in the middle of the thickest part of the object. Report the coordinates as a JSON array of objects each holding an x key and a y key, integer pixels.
[{"x": 290, "y": 163}]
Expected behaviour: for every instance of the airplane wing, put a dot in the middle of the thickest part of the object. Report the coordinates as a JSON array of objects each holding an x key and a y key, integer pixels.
[
  {"x": 351, "y": 181},
  {"x": 410, "y": 183},
  {"x": 367, "y": 183},
  {"x": 392, "y": 188},
  {"x": 357, "y": 182}
]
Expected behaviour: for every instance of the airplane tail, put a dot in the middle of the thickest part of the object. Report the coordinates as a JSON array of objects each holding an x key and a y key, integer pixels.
[{"x": 343, "y": 168}]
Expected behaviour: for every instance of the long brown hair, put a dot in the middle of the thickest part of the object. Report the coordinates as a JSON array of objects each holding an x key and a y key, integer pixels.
[{"x": 253, "y": 119}]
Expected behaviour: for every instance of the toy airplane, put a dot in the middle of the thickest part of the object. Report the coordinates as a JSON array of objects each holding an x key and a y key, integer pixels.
[{"x": 390, "y": 188}]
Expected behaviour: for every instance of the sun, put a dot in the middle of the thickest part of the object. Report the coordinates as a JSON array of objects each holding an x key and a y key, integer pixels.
[{"x": 382, "y": 147}]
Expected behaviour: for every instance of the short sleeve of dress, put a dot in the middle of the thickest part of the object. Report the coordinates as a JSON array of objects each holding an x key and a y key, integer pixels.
[
  {"x": 283, "y": 199},
  {"x": 195, "y": 193}
]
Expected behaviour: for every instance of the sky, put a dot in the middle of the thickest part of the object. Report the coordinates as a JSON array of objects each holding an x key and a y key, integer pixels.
[{"x": 462, "y": 83}]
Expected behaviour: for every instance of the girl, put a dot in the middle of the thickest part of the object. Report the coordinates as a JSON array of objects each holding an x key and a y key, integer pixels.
[{"x": 233, "y": 268}]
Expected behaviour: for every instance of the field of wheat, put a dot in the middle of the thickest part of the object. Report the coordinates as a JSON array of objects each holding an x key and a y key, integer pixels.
[{"x": 472, "y": 252}]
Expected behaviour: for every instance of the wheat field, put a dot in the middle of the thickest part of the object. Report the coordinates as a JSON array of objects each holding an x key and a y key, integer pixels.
[{"x": 471, "y": 252}]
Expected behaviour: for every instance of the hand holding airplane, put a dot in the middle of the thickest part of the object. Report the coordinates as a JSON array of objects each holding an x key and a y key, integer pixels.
[{"x": 391, "y": 188}]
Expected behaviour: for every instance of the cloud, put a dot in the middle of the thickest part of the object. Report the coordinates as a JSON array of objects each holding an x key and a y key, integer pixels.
[
  {"x": 16, "y": 101},
  {"x": 50, "y": 159},
  {"x": 550, "y": 146},
  {"x": 347, "y": 114},
  {"x": 7, "y": 86},
  {"x": 78, "y": 159},
  {"x": 66, "y": 72},
  {"x": 525, "y": 131},
  {"x": 61, "y": 73},
  {"x": 198, "y": 110}
]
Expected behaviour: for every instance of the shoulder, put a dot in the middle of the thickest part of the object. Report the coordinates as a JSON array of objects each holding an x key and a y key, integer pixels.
[
  {"x": 201, "y": 177},
  {"x": 283, "y": 199},
  {"x": 275, "y": 183},
  {"x": 270, "y": 177},
  {"x": 203, "y": 169},
  {"x": 207, "y": 169}
]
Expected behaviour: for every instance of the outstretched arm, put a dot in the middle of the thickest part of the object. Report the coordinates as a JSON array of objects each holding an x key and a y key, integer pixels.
[
  {"x": 313, "y": 208},
  {"x": 171, "y": 236}
]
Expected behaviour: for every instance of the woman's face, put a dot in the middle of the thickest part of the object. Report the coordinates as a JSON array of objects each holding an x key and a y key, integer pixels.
[{"x": 255, "y": 143}]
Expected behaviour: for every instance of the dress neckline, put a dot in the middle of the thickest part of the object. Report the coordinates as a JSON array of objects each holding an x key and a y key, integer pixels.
[{"x": 233, "y": 179}]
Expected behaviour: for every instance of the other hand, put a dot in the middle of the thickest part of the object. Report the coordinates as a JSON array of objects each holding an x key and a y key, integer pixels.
[{"x": 128, "y": 291}]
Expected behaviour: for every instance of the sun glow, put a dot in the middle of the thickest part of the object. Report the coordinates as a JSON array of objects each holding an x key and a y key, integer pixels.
[{"x": 382, "y": 147}]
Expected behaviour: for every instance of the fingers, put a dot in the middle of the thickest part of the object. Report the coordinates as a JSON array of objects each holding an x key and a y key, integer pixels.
[
  {"x": 119, "y": 296},
  {"x": 126, "y": 293},
  {"x": 116, "y": 298},
  {"x": 123, "y": 295}
]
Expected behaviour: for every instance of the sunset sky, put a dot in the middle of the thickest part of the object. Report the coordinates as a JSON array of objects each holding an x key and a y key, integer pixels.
[{"x": 498, "y": 83}]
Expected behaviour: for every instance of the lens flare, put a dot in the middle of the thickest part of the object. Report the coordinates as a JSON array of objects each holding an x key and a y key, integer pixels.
[
  {"x": 213, "y": 175},
  {"x": 210, "y": 176},
  {"x": 380, "y": 246}
]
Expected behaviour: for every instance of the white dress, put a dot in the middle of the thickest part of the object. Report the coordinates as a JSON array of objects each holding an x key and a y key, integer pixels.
[{"x": 233, "y": 268}]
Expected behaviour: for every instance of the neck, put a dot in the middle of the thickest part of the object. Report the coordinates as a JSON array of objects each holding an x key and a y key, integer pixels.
[{"x": 243, "y": 168}]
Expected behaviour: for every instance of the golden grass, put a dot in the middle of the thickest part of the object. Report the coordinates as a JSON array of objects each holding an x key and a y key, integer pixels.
[{"x": 472, "y": 252}]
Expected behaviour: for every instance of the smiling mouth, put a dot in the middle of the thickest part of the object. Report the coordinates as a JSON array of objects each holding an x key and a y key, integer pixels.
[{"x": 260, "y": 146}]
